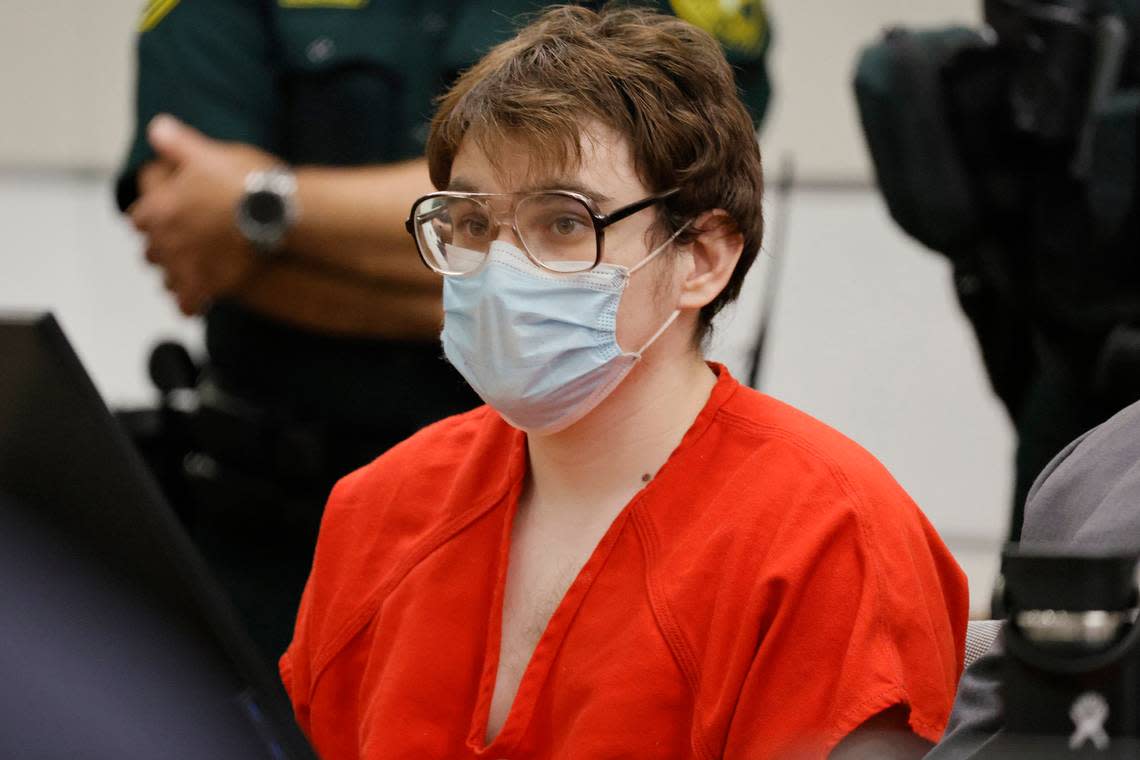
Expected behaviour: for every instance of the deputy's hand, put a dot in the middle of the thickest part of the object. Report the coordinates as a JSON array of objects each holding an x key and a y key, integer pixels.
[{"x": 186, "y": 211}]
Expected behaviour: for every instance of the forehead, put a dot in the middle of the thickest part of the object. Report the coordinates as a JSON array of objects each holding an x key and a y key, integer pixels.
[{"x": 601, "y": 167}]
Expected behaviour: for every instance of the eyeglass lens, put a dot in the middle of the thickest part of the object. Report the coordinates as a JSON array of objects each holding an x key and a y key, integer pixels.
[{"x": 455, "y": 232}]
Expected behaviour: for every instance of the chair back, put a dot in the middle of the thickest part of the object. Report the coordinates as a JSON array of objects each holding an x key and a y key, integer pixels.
[{"x": 980, "y": 635}]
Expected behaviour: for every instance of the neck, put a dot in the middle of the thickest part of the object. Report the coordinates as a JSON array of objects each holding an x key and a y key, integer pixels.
[{"x": 614, "y": 450}]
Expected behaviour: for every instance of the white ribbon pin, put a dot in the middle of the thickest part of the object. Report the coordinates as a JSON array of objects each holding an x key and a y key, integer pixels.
[{"x": 1089, "y": 713}]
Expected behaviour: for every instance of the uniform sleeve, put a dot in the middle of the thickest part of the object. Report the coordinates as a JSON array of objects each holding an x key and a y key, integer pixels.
[
  {"x": 868, "y": 611},
  {"x": 210, "y": 63}
]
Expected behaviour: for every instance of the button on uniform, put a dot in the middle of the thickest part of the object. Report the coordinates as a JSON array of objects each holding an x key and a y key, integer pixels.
[{"x": 320, "y": 49}]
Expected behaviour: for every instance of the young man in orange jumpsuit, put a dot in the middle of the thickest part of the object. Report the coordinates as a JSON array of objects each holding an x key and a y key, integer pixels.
[{"x": 625, "y": 553}]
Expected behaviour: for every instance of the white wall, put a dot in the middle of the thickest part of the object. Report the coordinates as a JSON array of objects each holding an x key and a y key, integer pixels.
[
  {"x": 66, "y": 73},
  {"x": 866, "y": 334}
]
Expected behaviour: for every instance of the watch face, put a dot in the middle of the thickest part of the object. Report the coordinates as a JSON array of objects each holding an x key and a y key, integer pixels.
[{"x": 265, "y": 207}]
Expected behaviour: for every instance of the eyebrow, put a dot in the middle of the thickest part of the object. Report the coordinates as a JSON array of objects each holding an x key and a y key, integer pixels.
[{"x": 461, "y": 185}]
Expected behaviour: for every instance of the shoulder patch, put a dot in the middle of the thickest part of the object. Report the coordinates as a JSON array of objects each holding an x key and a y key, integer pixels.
[
  {"x": 349, "y": 4},
  {"x": 737, "y": 24},
  {"x": 154, "y": 12}
]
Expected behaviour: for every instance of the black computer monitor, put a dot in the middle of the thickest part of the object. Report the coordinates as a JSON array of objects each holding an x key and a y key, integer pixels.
[{"x": 115, "y": 641}]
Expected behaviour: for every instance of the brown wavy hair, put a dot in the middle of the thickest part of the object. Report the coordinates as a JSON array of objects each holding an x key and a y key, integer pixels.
[{"x": 661, "y": 83}]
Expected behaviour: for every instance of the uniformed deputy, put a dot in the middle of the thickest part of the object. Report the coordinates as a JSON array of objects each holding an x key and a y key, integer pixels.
[{"x": 273, "y": 198}]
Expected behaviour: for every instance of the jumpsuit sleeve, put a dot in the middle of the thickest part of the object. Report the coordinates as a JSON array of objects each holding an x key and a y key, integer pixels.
[{"x": 868, "y": 613}]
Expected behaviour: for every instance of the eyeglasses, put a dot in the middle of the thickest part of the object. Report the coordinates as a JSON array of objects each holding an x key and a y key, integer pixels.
[{"x": 559, "y": 230}]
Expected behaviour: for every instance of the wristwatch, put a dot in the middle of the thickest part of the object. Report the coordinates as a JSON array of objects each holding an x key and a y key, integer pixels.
[{"x": 268, "y": 208}]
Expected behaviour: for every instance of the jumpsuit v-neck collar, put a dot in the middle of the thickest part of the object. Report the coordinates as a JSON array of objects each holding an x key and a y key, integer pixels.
[
  {"x": 561, "y": 620},
  {"x": 555, "y": 632}
]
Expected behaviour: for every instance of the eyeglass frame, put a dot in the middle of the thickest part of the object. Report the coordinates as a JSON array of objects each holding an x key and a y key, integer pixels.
[{"x": 600, "y": 221}]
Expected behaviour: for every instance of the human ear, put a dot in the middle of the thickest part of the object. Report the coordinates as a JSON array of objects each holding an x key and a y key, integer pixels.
[{"x": 715, "y": 251}]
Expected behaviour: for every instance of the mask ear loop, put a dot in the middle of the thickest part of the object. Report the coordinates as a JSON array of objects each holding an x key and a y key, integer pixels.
[
  {"x": 660, "y": 331},
  {"x": 676, "y": 312},
  {"x": 657, "y": 251}
]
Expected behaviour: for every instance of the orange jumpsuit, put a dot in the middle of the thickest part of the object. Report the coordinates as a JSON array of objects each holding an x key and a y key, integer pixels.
[{"x": 767, "y": 592}]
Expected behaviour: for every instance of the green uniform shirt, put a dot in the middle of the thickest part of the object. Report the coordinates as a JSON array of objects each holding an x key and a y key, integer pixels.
[{"x": 338, "y": 82}]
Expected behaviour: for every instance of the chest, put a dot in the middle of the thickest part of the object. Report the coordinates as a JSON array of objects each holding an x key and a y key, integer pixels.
[{"x": 545, "y": 557}]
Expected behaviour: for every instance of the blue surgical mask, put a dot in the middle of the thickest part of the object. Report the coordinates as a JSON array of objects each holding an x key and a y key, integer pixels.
[{"x": 540, "y": 347}]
